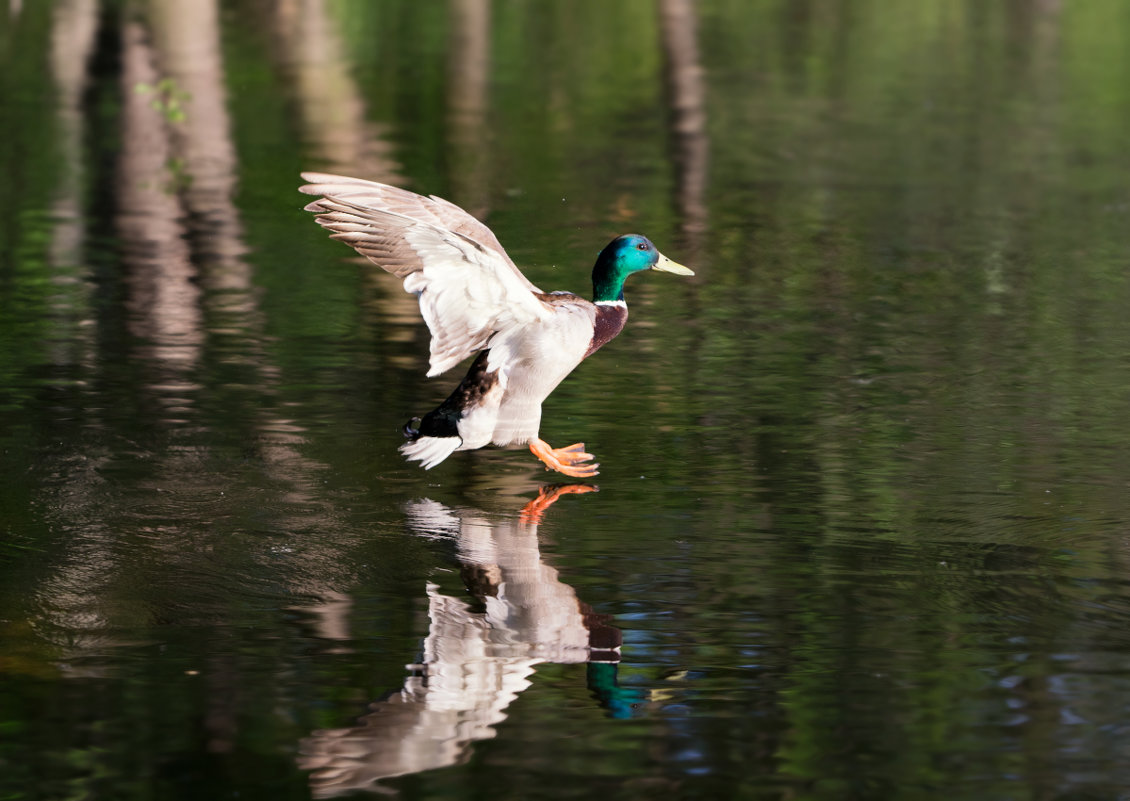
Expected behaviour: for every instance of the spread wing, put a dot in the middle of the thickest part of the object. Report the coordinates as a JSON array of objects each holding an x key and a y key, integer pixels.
[{"x": 468, "y": 287}]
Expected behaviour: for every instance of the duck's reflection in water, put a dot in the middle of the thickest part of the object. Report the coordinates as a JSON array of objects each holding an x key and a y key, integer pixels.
[{"x": 474, "y": 662}]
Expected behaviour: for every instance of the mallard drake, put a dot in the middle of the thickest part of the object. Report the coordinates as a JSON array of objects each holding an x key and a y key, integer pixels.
[{"x": 475, "y": 300}]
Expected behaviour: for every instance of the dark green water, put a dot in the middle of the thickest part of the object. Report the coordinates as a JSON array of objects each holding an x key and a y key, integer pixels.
[{"x": 863, "y": 514}]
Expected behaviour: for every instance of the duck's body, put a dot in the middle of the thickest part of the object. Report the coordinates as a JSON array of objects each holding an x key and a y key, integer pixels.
[
  {"x": 499, "y": 400},
  {"x": 474, "y": 299}
]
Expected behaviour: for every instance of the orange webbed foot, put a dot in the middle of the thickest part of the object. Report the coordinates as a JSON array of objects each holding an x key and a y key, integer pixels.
[
  {"x": 570, "y": 460},
  {"x": 547, "y": 496}
]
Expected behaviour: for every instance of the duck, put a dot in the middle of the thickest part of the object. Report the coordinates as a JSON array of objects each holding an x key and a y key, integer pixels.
[{"x": 476, "y": 302}]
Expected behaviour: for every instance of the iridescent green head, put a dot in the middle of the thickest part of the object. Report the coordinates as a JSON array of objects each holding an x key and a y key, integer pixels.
[{"x": 623, "y": 256}]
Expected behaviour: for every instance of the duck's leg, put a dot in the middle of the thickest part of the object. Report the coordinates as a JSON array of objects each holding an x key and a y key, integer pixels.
[
  {"x": 547, "y": 496},
  {"x": 564, "y": 460}
]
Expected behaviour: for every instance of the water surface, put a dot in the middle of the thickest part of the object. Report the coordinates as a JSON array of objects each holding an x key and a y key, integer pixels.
[{"x": 862, "y": 513}]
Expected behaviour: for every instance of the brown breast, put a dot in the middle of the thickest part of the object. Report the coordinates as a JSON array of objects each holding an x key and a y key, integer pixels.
[{"x": 610, "y": 319}]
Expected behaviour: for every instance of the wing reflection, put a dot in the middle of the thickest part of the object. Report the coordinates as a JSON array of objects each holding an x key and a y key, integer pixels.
[{"x": 474, "y": 662}]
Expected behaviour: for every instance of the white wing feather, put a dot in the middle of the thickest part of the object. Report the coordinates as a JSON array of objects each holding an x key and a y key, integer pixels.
[{"x": 469, "y": 289}]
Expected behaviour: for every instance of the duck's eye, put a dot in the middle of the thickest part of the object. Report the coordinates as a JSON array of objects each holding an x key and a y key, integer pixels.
[{"x": 642, "y": 246}]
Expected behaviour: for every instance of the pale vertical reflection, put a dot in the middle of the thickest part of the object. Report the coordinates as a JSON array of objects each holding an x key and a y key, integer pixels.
[
  {"x": 468, "y": 68},
  {"x": 163, "y": 298},
  {"x": 74, "y": 25},
  {"x": 338, "y": 135},
  {"x": 474, "y": 663},
  {"x": 187, "y": 35},
  {"x": 686, "y": 96},
  {"x": 330, "y": 108}
]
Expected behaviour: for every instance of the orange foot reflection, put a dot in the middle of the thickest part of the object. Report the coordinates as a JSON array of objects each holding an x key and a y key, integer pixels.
[
  {"x": 565, "y": 460},
  {"x": 547, "y": 496}
]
